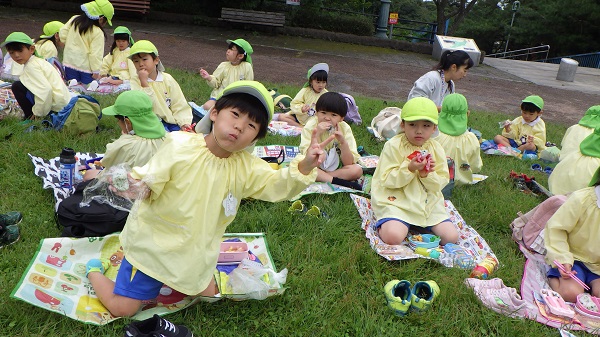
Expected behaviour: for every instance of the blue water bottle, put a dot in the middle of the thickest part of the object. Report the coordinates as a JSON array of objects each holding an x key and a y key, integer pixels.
[{"x": 67, "y": 164}]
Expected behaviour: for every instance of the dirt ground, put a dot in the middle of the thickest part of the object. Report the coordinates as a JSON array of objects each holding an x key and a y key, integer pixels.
[{"x": 357, "y": 70}]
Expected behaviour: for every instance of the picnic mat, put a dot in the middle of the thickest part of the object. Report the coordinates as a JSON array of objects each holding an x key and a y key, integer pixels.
[
  {"x": 8, "y": 103},
  {"x": 468, "y": 239},
  {"x": 48, "y": 170},
  {"x": 282, "y": 129},
  {"x": 102, "y": 89},
  {"x": 55, "y": 278}
]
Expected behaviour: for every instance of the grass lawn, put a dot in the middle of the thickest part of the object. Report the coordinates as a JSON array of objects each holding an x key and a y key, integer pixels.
[{"x": 335, "y": 282}]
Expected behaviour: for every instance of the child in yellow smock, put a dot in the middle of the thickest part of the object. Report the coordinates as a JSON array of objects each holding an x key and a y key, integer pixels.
[
  {"x": 303, "y": 104},
  {"x": 571, "y": 238},
  {"x": 167, "y": 98},
  {"x": 527, "y": 132},
  {"x": 174, "y": 226},
  {"x": 238, "y": 67},
  {"x": 117, "y": 66},
  {"x": 458, "y": 143},
  {"x": 340, "y": 166},
  {"x": 83, "y": 36},
  {"x": 48, "y": 43},
  {"x": 576, "y": 133},
  {"x": 40, "y": 89},
  {"x": 408, "y": 192},
  {"x": 572, "y": 173}
]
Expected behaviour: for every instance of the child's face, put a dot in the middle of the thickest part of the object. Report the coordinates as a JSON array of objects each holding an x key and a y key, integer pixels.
[
  {"x": 455, "y": 73},
  {"x": 418, "y": 132},
  {"x": 329, "y": 117},
  {"x": 122, "y": 44},
  {"x": 233, "y": 129},
  {"x": 529, "y": 116},
  {"x": 23, "y": 55},
  {"x": 125, "y": 125},
  {"x": 143, "y": 61},
  {"x": 317, "y": 85},
  {"x": 233, "y": 56}
]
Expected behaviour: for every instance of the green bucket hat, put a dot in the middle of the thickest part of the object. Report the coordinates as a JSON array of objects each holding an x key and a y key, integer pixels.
[
  {"x": 125, "y": 30},
  {"x": 535, "y": 100},
  {"x": 97, "y": 8},
  {"x": 314, "y": 69},
  {"x": 591, "y": 119},
  {"x": 51, "y": 28},
  {"x": 420, "y": 108},
  {"x": 245, "y": 46},
  {"x": 17, "y": 37},
  {"x": 146, "y": 47},
  {"x": 453, "y": 117},
  {"x": 137, "y": 106},
  {"x": 590, "y": 145}
]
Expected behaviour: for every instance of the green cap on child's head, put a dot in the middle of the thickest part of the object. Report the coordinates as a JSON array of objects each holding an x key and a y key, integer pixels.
[
  {"x": 255, "y": 89},
  {"x": 420, "y": 108},
  {"x": 145, "y": 47},
  {"x": 453, "y": 117},
  {"x": 51, "y": 28},
  {"x": 535, "y": 100},
  {"x": 137, "y": 106},
  {"x": 590, "y": 145},
  {"x": 124, "y": 30},
  {"x": 245, "y": 46},
  {"x": 17, "y": 37},
  {"x": 591, "y": 119},
  {"x": 97, "y": 8}
]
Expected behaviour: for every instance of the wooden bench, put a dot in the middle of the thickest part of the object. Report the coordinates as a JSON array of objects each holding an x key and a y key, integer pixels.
[
  {"x": 274, "y": 19},
  {"x": 138, "y": 6}
]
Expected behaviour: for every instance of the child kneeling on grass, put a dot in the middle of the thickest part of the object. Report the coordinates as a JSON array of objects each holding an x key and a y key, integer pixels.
[
  {"x": 340, "y": 166},
  {"x": 407, "y": 191},
  {"x": 527, "y": 132},
  {"x": 571, "y": 238},
  {"x": 174, "y": 227}
]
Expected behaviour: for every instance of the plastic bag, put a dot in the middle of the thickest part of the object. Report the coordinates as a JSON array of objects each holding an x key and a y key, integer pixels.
[
  {"x": 255, "y": 280},
  {"x": 116, "y": 187}
]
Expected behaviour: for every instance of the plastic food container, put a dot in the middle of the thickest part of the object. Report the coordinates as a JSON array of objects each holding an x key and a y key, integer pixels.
[
  {"x": 428, "y": 240},
  {"x": 233, "y": 252}
]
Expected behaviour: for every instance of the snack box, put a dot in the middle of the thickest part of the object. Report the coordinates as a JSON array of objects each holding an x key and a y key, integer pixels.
[
  {"x": 233, "y": 252},
  {"x": 428, "y": 241}
]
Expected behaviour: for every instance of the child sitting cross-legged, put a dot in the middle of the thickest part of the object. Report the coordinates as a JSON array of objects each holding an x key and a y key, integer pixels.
[
  {"x": 407, "y": 188},
  {"x": 340, "y": 166},
  {"x": 526, "y": 133},
  {"x": 173, "y": 227},
  {"x": 575, "y": 134}
]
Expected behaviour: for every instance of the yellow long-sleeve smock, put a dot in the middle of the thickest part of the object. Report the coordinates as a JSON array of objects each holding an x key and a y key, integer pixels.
[
  {"x": 342, "y": 126},
  {"x": 572, "y": 173},
  {"x": 465, "y": 151},
  {"x": 573, "y": 232},
  {"x": 130, "y": 149},
  {"x": 118, "y": 64},
  {"x": 306, "y": 96},
  {"x": 174, "y": 235},
  {"x": 168, "y": 101},
  {"x": 519, "y": 130},
  {"x": 46, "y": 49},
  {"x": 227, "y": 73},
  {"x": 44, "y": 82},
  {"x": 573, "y": 137},
  {"x": 398, "y": 193},
  {"x": 82, "y": 52}
]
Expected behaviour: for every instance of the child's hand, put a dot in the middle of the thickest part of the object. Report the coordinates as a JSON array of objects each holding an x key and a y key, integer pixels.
[
  {"x": 529, "y": 139},
  {"x": 205, "y": 75},
  {"x": 188, "y": 128},
  {"x": 340, "y": 137},
  {"x": 305, "y": 108},
  {"x": 415, "y": 165},
  {"x": 133, "y": 189},
  {"x": 143, "y": 75},
  {"x": 323, "y": 127},
  {"x": 96, "y": 76},
  {"x": 425, "y": 171},
  {"x": 568, "y": 271},
  {"x": 507, "y": 127},
  {"x": 315, "y": 155}
]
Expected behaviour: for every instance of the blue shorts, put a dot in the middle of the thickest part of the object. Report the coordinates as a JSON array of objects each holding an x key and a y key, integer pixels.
[
  {"x": 171, "y": 127},
  {"x": 583, "y": 273},
  {"x": 134, "y": 284},
  {"x": 80, "y": 76},
  {"x": 384, "y": 220},
  {"x": 513, "y": 143}
]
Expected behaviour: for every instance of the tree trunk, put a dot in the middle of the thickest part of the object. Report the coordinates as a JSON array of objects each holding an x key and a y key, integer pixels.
[{"x": 441, "y": 17}]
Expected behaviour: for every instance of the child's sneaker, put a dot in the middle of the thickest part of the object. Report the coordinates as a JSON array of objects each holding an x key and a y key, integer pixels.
[
  {"x": 477, "y": 284},
  {"x": 99, "y": 265},
  {"x": 156, "y": 326},
  {"x": 398, "y": 295},
  {"x": 423, "y": 294},
  {"x": 9, "y": 235},
  {"x": 504, "y": 301},
  {"x": 10, "y": 218}
]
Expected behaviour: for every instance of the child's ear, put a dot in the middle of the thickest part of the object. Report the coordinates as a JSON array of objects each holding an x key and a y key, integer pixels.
[
  {"x": 213, "y": 114},
  {"x": 32, "y": 48},
  {"x": 541, "y": 112}
]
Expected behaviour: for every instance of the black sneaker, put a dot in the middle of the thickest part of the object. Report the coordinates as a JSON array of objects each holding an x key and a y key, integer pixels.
[{"x": 156, "y": 326}]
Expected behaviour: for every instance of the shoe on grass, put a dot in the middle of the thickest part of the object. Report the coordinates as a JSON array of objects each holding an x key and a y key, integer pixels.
[
  {"x": 423, "y": 294},
  {"x": 156, "y": 326},
  {"x": 298, "y": 206},
  {"x": 504, "y": 301},
  {"x": 10, "y": 218},
  {"x": 9, "y": 235},
  {"x": 398, "y": 295},
  {"x": 477, "y": 284}
]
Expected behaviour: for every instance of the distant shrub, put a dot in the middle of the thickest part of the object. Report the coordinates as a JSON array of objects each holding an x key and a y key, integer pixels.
[{"x": 343, "y": 23}]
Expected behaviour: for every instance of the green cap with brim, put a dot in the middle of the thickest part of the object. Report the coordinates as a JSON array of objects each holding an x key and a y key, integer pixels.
[
  {"x": 591, "y": 119},
  {"x": 51, "y": 28},
  {"x": 314, "y": 69},
  {"x": 245, "y": 46},
  {"x": 124, "y": 30},
  {"x": 535, "y": 100},
  {"x": 453, "y": 117},
  {"x": 590, "y": 145},
  {"x": 146, "y": 47},
  {"x": 420, "y": 108},
  {"x": 17, "y": 37},
  {"x": 137, "y": 106},
  {"x": 97, "y": 8}
]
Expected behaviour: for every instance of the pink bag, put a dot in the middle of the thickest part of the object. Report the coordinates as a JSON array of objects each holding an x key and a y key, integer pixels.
[{"x": 352, "y": 116}]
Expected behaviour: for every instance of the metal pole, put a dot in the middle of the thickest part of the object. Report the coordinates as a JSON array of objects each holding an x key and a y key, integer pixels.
[
  {"x": 382, "y": 23},
  {"x": 515, "y": 8}
]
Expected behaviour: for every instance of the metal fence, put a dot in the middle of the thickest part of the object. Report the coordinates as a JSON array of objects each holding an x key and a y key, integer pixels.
[
  {"x": 414, "y": 31},
  {"x": 525, "y": 54},
  {"x": 590, "y": 60}
]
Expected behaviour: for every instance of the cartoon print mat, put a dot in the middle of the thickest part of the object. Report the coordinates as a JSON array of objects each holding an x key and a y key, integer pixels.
[
  {"x": 469, "y": 239},
  {"x": 55, "y": 279},
  {"x": 534, "y": 279},
  {"x": 48, "y": 170},
  {"x": 282, "y": 129},
  {"x": 102, "y": 89},
  {"x": 329, "y": 188}
]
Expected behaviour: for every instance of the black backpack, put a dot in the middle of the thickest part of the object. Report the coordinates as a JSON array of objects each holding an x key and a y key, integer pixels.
[{"x": 97, "y": 219}]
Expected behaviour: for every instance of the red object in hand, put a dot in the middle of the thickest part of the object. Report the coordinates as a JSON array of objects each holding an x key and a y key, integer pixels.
[{"x": 422, "y": 156}]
